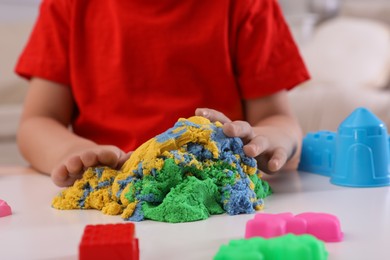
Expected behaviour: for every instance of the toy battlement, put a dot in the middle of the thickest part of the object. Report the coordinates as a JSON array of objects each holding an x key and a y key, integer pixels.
[{"x": 356, "y": 156}]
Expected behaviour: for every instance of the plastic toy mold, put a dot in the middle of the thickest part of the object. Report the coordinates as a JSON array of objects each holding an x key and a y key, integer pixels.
[
  {"x": 356, "y": 156},
  {"x": 287, "y": 247},
  {"x": 323, "y": 226},
  {"x": 5, "y": 209},
  {"x": 109, "y": 241}
]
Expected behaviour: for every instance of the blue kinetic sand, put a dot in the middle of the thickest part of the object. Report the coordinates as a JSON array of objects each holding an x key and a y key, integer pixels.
[{"x": 356, "y": 156}]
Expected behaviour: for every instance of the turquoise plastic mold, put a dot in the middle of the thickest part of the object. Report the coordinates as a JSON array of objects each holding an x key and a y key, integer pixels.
[{"x": 356, "y": 156}]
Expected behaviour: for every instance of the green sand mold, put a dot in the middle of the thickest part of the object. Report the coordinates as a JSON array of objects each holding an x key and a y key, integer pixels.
[{"x": 287, "y": 247}]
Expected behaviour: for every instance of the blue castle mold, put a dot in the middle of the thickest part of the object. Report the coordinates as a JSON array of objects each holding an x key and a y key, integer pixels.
[
  {"x": 318, "y": 152},
  {"x": 356, "y": 156}
]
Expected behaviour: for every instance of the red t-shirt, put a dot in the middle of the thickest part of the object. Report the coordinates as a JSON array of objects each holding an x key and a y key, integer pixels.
[{"x": 136, "y": 66}]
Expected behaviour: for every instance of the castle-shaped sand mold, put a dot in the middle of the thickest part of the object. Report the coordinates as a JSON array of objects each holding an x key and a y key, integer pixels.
[{"x": 357, "y": 155}]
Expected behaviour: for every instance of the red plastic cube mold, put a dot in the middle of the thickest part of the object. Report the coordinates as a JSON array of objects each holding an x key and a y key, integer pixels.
[{"x": 109, "y": 241}]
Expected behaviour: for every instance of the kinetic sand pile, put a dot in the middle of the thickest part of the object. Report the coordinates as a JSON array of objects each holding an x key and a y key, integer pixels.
[{"x": 187, "y": 173}]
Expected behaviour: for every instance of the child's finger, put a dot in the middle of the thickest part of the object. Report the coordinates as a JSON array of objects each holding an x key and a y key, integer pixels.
[
  {"x": 109, "y": 157},
  {"x": 212, "y": 115},
  {"x": 89, "y": 159},
  {"x": 74, "y": 165},
  {"x": 60, "y": 175},
  {"x": 241, "y": 129},
  {"x": 124, "y": 157},
  {"x": 257, "y": 146},
  {"x": 278, "y": 159}
]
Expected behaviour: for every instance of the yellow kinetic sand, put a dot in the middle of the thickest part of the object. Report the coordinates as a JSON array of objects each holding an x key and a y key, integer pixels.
[{"x": 191, "y": 171}]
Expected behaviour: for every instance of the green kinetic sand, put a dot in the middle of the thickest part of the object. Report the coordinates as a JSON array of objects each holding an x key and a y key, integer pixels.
[{"x": 187, "y": 173}]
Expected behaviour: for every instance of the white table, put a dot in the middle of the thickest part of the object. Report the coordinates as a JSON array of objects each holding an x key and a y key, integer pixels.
[{"x": 37, "y": 231}]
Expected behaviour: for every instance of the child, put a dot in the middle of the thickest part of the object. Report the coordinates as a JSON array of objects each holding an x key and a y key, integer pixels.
[{"x": 107, "y": 76}]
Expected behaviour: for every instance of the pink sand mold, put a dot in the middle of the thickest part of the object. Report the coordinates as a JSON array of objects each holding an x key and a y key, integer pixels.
[
  {"x": 5, "y": 209},
  {"x": 323, "y": 226}
]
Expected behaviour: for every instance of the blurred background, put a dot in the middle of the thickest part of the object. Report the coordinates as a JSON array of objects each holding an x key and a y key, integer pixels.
[
  {"x": 16, "y": 20},
  {"x": 345, "y": 44}
]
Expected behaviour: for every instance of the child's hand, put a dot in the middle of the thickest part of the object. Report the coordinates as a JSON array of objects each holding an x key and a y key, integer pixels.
[
  {"x": 270, "y": 145},
  {"x": 73, "y": 167}
]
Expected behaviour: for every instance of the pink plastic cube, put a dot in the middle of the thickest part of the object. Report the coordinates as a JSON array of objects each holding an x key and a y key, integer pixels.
[
  {"x": 5, "y": 209},
  {"x": 323, "y": 226}
]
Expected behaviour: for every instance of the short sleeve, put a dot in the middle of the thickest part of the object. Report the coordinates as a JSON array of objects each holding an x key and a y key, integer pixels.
[
  {"x": 46, "y": 53},
  {"x": 266, "y": 57}
]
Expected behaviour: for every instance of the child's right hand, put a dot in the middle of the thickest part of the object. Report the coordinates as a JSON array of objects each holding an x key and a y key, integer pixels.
[{"x": 73, "y": 166}]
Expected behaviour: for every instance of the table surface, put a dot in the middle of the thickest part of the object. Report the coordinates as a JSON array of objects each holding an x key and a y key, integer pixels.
[{"x": 37, "y": 231}]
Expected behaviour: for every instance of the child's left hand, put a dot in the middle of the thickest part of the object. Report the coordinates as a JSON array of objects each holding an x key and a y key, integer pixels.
[{"x": 271, "y": 145}]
